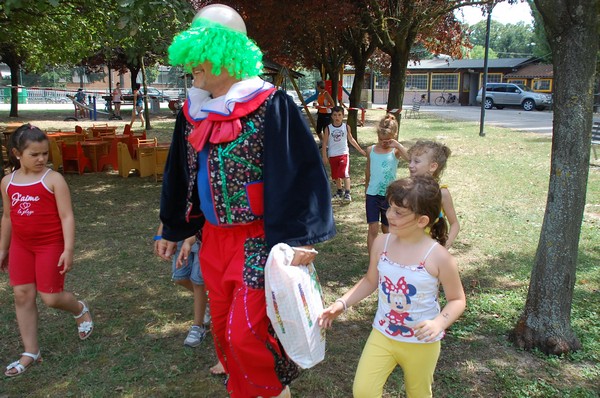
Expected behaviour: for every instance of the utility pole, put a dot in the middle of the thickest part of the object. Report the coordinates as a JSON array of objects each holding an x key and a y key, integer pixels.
[{"x": 485, "y": 70}]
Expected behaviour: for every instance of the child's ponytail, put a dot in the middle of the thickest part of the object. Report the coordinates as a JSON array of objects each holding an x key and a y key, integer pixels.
[{"x": 439, "y": 230}]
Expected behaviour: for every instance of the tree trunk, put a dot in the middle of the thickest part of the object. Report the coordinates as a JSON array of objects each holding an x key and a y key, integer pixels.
[
  {"x": 355, "y": 95},
  {"x": 146, "y": 110},
  {"x": 14, "y": 91},
  {"x": 400, "y": 55},
  {"x": 397, "y": 81},
  {"x": 546, "y": 320},
  {"x": 134, "y": 73},
  {"x": 335, "y": 79}
]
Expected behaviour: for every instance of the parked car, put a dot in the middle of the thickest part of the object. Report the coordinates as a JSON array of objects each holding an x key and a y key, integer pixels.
[
  {"x": 152, "y": 93},
  {"x": 500, "y": 95}
]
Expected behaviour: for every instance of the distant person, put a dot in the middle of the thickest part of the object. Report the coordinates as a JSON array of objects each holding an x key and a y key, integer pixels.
[
  {"x": 138, "y": 105},
  {"x": 37, "y": 241},
  {"x": 381, "y": 168},
  {"x": 80, "y": 98},
  {"x": 117, "y": 98},
  {"x": 406, "y": 267},
  {"x": 429, "y": 158},
  {"x": 324, "y": 103},
  {"x": 186, "y": 272},
  {"x": 335, "y": 150}
]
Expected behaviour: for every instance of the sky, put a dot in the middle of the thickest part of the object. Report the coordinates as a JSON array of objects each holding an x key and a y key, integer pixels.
[{"x": 503, "y": 12}]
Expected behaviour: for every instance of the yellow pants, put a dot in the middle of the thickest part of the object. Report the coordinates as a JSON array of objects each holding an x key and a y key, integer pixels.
[{"x": 381, "y": 355}]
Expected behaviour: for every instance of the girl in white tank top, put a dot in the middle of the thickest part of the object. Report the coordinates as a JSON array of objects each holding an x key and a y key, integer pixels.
[{"x": 406, "y": 267}]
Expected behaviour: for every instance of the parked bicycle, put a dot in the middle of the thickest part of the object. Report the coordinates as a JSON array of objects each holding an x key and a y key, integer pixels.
[{"x": 445, "y": 99}]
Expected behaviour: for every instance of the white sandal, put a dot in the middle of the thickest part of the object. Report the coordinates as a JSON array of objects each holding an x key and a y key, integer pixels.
[
  {"x": 20, "y": 367},
  {"x": 85, "y": 328}
]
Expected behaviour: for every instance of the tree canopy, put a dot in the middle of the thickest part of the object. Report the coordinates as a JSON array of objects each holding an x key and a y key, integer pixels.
[
  {"x": 33, "y": 35},
  {"x": 506, "y": 40}
]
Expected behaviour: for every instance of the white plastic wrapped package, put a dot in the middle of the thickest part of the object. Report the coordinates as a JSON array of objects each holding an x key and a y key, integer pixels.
[{"x": 294, "y": 303}]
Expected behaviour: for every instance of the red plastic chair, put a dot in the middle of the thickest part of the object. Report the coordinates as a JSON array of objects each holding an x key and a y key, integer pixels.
[{"x": 73, "y": 155}]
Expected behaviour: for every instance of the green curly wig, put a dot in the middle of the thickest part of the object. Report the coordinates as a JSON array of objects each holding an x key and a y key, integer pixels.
[{"x": 225, "y": 48}]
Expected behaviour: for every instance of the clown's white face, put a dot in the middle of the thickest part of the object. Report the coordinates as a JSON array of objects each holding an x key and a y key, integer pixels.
[{"x": 216, "y": 85}]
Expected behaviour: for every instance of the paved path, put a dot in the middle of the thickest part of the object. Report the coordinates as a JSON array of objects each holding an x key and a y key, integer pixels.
[
  {"x": 512, "y": 118},
  {"x": 516, "y": 119}
]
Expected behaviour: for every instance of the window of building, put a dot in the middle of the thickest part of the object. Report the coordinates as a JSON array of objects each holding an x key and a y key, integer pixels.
[
  {"x": 544, "y": 85},
  {"x": 416, "y": 82},
  {"x": 382, "y": 81},
  {"x": 491, "y": 78},
  {"x": 444, "y": 81},
  {"x": 517, "y": 81}
]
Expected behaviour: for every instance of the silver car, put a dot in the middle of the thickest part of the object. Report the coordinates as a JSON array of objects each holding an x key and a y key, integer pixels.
[{"x": 500, "y": 95}]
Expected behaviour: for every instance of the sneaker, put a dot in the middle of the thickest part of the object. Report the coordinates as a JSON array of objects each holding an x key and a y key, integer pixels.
[
  {"x": 336, "y": 197},
  {"x": 195, "y": 336},
  {"x": 347, "y": 198}
]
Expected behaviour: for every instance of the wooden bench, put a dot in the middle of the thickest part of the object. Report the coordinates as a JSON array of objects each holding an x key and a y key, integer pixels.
[{"x": 595, "y": 138}]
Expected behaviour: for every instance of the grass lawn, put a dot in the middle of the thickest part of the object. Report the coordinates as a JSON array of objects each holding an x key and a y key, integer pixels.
[{"x": 499, "y": 186}]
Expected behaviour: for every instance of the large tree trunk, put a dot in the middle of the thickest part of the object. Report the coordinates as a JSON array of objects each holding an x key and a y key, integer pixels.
[
  {"x": 545, "y": 324},
  {"x": 400, "y": 55},
  {"x": 355, "y": 94},
  {"x": 134, "y": 71},
  {"x": 144, "y": 84},
  {"x": 14, "y": 91}
]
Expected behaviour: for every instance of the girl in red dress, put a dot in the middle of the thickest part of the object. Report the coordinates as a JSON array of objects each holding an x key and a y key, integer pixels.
[{"x": 36, "y": 241}]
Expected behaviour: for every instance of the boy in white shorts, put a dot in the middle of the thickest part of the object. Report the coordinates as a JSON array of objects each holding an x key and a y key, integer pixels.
[{"x": 335, "y": 150}]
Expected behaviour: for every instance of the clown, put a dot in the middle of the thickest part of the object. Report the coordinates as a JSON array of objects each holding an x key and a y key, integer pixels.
[{"x": 244, "y": 170}]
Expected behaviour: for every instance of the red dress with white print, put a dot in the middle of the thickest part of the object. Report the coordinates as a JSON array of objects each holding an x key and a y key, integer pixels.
[{"x": 33, "y": 212}]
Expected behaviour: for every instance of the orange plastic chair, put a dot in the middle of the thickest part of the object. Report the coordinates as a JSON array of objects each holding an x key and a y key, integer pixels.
[
  {"x": 147, "y": 160},
  {"x": 131, "y": 143},
  {"x": 72, "y": 155},
  {"x": 106, "y": 135},
  {"x": 111, "y": 158},
  {"x": 125, "y": 162},
  {"x": 162, "y": 152},
  {"x": 55, "y": 154},
  {"x": 127, "y": 129},
  {"x": 142, "y": 142}
]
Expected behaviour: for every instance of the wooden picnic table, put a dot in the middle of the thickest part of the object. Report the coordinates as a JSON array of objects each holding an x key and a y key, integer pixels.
[{"x": 93, "y": 150}]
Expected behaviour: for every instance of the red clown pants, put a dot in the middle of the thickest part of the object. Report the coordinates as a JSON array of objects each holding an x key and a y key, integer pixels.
[{"x": 232, "y": 260}]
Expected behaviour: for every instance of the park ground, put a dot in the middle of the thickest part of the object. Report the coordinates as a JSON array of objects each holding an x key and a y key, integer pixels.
[{"x": 499, "y": 185}]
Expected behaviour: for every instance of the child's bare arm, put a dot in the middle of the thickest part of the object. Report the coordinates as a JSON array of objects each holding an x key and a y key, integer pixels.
[
  {"x": 353, "y": 141},
  {"x": 455, "y": 299},
  {"x": 5, "y": 226},
  {"x": 364, "y": 288},
  {"x": 186, "y": 248},
  {"x": 67, "y": 219},
  {"x": 450, "y": 213},
  {"x": 400, "y": 150},
  {"x": 368, "y": 168},
  {"x": 324, "y": 146}
]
